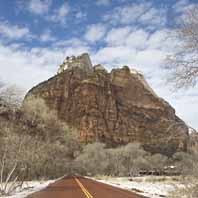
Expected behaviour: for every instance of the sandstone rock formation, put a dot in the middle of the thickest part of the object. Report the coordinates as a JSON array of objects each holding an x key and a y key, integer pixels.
[
  {"x": 116, "y": 108},
  {"x": 99, "y": 67},
  {"x": 82, "y": 62}
]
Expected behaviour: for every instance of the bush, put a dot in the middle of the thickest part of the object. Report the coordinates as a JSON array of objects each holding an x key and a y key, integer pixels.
[
  {"x": 126, "y": 160},
  {"x": 157, "y": 162},
  {"x": 93, "y": 159},
  {"x": 186, "y": 163},
  {"x": 186, "y": 192},
  {"x": 123, "y": 161}
]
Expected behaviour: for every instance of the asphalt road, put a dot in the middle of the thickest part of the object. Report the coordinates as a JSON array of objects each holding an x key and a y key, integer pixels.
[{"x": 78, "y": 187}]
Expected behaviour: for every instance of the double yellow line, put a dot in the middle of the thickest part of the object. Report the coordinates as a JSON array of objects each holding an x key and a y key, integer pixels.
[{"x": 85, "y": 191}]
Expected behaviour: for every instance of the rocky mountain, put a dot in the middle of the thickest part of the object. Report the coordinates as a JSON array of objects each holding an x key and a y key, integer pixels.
[{"x": 114, "y": 107}]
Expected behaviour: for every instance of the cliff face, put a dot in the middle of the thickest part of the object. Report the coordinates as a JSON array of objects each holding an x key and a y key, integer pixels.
[{"x": 116, "y": 108}]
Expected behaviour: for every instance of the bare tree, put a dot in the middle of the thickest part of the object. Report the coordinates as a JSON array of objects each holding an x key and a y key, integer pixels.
[
  {"x": 93, "y": 159},
  {"x": 183, "y": 63},
  {"x": 187, "y": 164},
  {"x": 12, "y": 95},
  {"x": 12, "y": 164}
]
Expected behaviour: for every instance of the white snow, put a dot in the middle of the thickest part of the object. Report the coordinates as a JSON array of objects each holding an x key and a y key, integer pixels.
[
  {"x": 30, "y": 187},
  {"x": 151, "y": 186},
  {"x": 191, "y": 130}
]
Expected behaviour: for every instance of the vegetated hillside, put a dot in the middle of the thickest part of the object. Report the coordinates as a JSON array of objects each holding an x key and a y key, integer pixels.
[
  {"x": 6, "y": 112},
  {"x": 34, "y": 141},
  {"x": 115, "y": 108},
  {"x": 193, "y": 140}
]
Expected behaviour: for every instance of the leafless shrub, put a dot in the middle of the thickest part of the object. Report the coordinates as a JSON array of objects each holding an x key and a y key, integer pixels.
[
  {"x": 189, "y": 191},
  {"x": 157, "y": 162},
  {"x": 12, "y": 96},
  {"x": 13, "y": 167},
  {"x": 93, "y": 159},
  {"x": 187, "y": 164},
  {"x": 127, "y": 160},
  {"x": 123, "y": 161}
]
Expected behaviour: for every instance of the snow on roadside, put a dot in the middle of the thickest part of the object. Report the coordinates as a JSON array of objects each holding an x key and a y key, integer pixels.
[
  {"x": 29, "y": 188},
  {"x": 147, "y": 186}
]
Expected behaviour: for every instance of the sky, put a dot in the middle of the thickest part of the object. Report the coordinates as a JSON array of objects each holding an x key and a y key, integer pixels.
[{"x": 37, "y": 35}]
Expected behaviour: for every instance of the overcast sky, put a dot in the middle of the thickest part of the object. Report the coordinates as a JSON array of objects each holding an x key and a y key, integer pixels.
[{"x": 36, "y": 36}]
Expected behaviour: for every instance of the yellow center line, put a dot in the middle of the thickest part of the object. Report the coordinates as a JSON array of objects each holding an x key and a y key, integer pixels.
[{"x": 85, "y": 191}]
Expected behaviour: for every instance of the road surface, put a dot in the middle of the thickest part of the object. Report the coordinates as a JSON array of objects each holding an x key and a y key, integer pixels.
[{"x": 78, "y": 187}]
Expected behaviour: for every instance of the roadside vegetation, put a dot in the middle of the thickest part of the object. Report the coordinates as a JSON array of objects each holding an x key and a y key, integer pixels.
[{"x": 34, "y": 144}]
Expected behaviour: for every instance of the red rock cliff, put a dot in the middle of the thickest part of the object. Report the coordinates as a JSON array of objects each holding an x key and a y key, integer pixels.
[{"x": 116, "y": 108}]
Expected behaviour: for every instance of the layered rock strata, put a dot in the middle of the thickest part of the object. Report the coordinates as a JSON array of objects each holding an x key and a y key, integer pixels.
[{"x": 116, "y": 107}]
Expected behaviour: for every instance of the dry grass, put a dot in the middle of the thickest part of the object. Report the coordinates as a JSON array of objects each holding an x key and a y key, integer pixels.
[{"x": 186, "y": 192}]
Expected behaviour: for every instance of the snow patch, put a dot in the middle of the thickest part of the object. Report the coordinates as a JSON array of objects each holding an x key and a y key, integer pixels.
[
  {"x": 30, "y": 187},
  {"x": 146, "y": 186}
]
